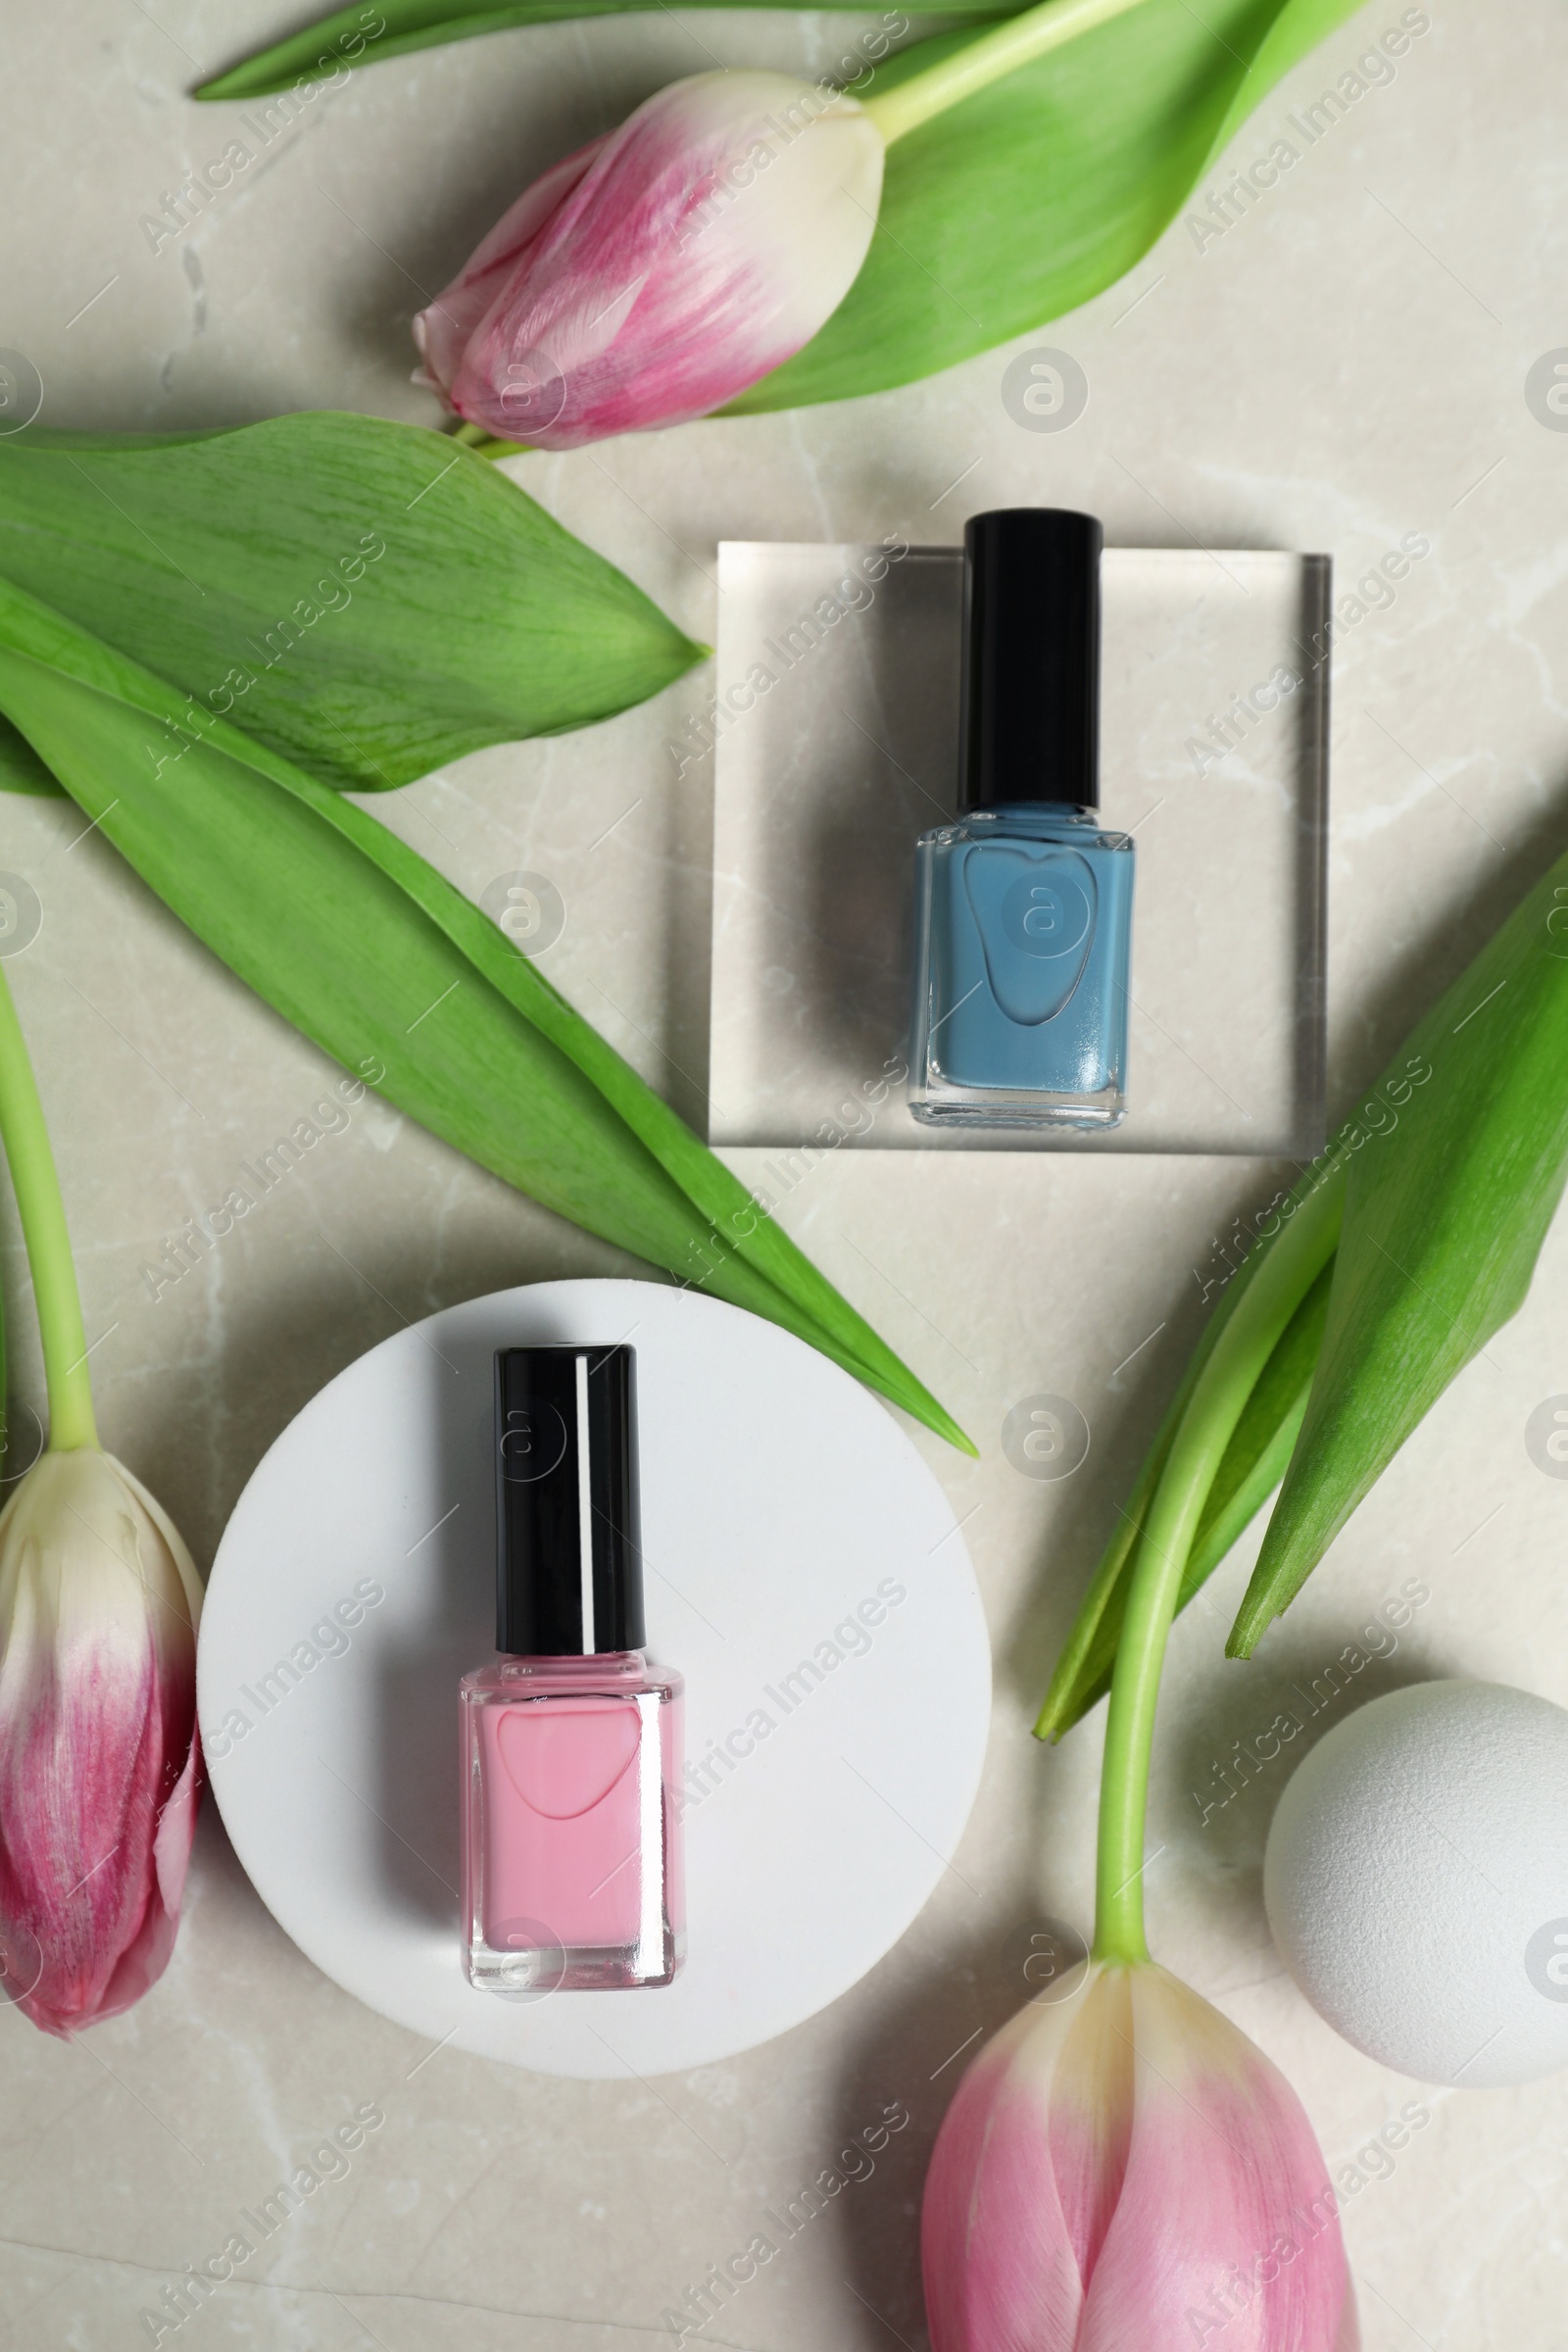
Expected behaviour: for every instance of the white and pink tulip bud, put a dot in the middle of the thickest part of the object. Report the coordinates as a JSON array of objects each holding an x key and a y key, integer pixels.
[
  {"x": 100, "y": 1767},
  {"x": 1126, "y": 2169},
  {"x": 659, "y": 271}
]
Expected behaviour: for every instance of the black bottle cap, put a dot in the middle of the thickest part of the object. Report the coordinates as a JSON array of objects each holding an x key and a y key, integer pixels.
[
  {"x": 569, "y": 1570},
  {"x": 1029, "y": 724}
]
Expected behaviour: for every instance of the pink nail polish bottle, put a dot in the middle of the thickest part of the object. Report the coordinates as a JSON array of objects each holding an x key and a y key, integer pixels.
[{"x": 571, "y": 1742}]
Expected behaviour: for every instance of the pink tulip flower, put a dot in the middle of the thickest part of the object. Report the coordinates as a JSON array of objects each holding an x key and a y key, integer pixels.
[
  {"x": 100, "y": 1766},
  {"x": 1125, "y": 2170},
  {"x": 658, "y": 271}
]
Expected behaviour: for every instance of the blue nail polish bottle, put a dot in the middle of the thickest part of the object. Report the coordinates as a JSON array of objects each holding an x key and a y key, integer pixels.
[{"x": 1023, "y": 906}]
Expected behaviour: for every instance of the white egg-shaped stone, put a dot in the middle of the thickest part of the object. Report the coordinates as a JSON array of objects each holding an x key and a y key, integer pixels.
[{"x": 1416, "y": 1881}]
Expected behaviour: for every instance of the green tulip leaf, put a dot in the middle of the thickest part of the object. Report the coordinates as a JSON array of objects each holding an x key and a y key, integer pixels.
[
  {"x": 1450, "y": 1171},
  {"x": 1457, "y": 1161},
  {"x": 368, "y": 599},
  {"x": 1249, "y": 1469},
  {"x": 370, "y": 952},
  {"x": 1035, "y": 195},
  {"x": 1264, "y": 1438},
  {"x": 359, "y": 37}
]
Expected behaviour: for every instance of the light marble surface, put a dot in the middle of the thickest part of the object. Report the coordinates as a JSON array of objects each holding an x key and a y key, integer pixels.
[{"x": 1344, "y": 366}]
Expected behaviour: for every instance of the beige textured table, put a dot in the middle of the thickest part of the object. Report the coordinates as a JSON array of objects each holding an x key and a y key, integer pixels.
[{"x": 1344, "y": 366}]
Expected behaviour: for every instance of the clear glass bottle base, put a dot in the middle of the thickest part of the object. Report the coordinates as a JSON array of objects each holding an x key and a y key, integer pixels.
[
  {"x": 943, "y": 1105},
  {"x": 572, "y": 1871},
  {"x": 1022, "y": 926},
  {"x": 529, "y": 1973}
]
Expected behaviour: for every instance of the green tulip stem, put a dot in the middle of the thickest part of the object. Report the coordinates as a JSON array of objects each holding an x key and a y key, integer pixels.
[
  {"x": 1006, "y": 48},
  {"x": 1284, "y": 1275},
  {"x": 486, "y": 445},
  {"x": 43, "y": 1229}
]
